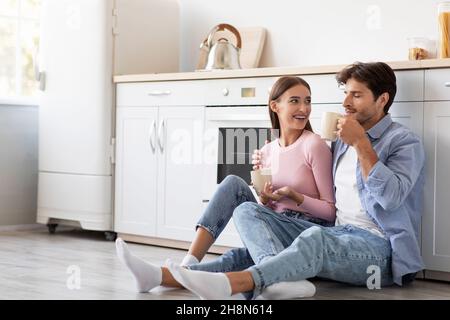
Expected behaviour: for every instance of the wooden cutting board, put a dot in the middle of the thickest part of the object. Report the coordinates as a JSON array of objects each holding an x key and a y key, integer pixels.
[{"x": 253, "y": 39}]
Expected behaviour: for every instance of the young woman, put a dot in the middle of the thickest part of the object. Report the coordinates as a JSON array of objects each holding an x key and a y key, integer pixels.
[{"x": 301, "y": 189}]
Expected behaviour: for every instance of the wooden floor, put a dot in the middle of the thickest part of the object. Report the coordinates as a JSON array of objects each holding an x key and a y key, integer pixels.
[{"x": 35, "y": 265}]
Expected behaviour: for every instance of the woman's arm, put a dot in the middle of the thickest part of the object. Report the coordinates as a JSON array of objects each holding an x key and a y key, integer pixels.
[{"x": 321, "y": 161}]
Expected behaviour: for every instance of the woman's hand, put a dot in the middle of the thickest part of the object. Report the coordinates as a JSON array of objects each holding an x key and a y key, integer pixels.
[
  {"x": 284, "y": 192},
  {"x": 269, "y": 194},
  {"x": 263, "y": 195},
  {"x": 256, "y": 158}
]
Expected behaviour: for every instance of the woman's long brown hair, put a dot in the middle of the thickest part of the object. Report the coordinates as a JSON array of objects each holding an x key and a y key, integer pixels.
[{"x": 281, "y": 86}]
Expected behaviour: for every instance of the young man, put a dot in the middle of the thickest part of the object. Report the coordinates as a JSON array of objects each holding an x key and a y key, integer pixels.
[{"x": 378, "y": 170}]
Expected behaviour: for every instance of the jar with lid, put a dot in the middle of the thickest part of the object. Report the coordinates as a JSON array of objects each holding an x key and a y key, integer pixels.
[
  {"x": 421, "y": 48},
  {"x": 444, "y": 29}
]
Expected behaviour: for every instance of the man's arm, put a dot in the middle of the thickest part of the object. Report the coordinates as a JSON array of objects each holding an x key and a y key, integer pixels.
[
  {"x": 390, "y": 182},
  {"x": 366, "y": 155}
]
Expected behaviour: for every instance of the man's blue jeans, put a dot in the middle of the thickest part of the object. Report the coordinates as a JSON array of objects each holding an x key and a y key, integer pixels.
[{"x": 284, "y": 247}]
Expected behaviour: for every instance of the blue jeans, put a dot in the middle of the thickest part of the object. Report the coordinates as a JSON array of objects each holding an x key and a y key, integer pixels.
[
  {"x": 285, "y": 247},
  {"x": 232, "y": 192}
]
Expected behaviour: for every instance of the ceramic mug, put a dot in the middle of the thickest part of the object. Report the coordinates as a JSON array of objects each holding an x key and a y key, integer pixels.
[
  {"x": 260, "y": 177},
  {"x": 329, "y": 125}
]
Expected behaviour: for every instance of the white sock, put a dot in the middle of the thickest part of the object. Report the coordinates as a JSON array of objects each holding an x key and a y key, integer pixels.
[
  {"x": 289, "y": 290},
  {"x": 189, "y": 259},
  {"x": 147, "y": 276},
  {"x": 207, "y": 285}
]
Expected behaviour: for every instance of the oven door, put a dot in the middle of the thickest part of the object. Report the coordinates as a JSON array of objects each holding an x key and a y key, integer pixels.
[{"x": 231, "y": 135}]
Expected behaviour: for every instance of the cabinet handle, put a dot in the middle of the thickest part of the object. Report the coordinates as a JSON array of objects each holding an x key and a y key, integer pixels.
[
  {"x": 153, "y": 136},
  {"x": 447, "y": 84},
  {"x": 159, "y": 93},
  {"x": 38, "y": 74},
  {"x": 161, "y": 135}
]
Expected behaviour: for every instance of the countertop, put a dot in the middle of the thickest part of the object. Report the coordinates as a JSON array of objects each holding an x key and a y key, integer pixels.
[{"x": 271, "y": 72}]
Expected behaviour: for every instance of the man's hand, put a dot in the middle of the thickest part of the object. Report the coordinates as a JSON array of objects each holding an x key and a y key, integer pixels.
[
  {"x": 350, "y": 131},
  {"x": 353, "y": 134}
]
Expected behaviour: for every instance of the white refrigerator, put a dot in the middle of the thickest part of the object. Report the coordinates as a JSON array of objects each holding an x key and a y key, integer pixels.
[{"x": 83, "y": 44}]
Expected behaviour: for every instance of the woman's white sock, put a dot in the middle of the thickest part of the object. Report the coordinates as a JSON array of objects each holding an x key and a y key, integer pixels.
[
  {"x": 207, "y": 285},
  {"x": 289, "y": 290},
  {"x": 189, "y": 259},
  {"x": 147, "y": 276}
]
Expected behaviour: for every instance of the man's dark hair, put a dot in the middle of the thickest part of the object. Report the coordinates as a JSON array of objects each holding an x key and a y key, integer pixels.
[{"x": 378, "y": 77}]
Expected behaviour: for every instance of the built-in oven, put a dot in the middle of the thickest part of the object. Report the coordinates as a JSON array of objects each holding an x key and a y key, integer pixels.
[{"x": 232, "y": 133}]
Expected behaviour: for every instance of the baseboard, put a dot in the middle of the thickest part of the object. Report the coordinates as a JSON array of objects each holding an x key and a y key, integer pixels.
[
  {"x": 437, "y": 275},
  {"x": 23, "y": 227},
  {"x": 176, "y": 244},
  {"x": 420, "y": 275}
]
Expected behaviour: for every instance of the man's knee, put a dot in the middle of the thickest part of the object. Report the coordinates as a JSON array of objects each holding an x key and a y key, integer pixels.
[
  {"x": 314, "y": 233},
  {"x": 244, "y": 210}
]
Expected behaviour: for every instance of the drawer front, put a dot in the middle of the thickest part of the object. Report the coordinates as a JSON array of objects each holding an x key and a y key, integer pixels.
[
  {"x": 250, "y": 91},
  {"x": 409, "y": 85},
  {"x": 233, "y": 92},
  {"x": 324, "y": 88},
  {"x": 168, "y": 93},
  {"x": 437, "y": 84}
]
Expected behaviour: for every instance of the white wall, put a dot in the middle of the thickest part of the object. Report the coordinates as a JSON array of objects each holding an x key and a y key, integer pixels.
[
  {"x": 18, "y": 164},
  {"x": 314, "y": 32}
]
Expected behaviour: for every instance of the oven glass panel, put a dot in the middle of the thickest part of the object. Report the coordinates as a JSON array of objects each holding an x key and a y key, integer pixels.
[{"x": 236, "y": 147}]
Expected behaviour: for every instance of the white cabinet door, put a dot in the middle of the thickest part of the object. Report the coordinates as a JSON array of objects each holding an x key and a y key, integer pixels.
[
  {"x": 136, "y": 171},
  {"x": 180, "y": 135},
  {"x": 436, "y": 218},
  {"x": 410, "y": 114}
]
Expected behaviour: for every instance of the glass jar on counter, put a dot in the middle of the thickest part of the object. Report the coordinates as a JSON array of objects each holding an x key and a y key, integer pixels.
[
  {"x": 444, "y": 30},
  {"x": 420, "y": 48}
]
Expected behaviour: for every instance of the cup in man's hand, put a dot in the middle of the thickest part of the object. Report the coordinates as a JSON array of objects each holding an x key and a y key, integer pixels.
[{"x": 329, "y": 125}]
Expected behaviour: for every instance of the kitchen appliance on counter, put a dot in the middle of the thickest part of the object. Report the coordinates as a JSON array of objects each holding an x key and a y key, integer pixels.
[
  {"x": 252, "y": 45},
  {"x": 83, "y": 44},
  {"x": 222, "y": 54}
]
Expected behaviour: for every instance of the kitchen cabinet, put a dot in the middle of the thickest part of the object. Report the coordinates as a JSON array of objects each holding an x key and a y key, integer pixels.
[
  {"x": 180, "y": 168},
  {"x": 136, "y": 175},
  {"x": 436, "y": 218},
  {"x": 158, "y": 157}
]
